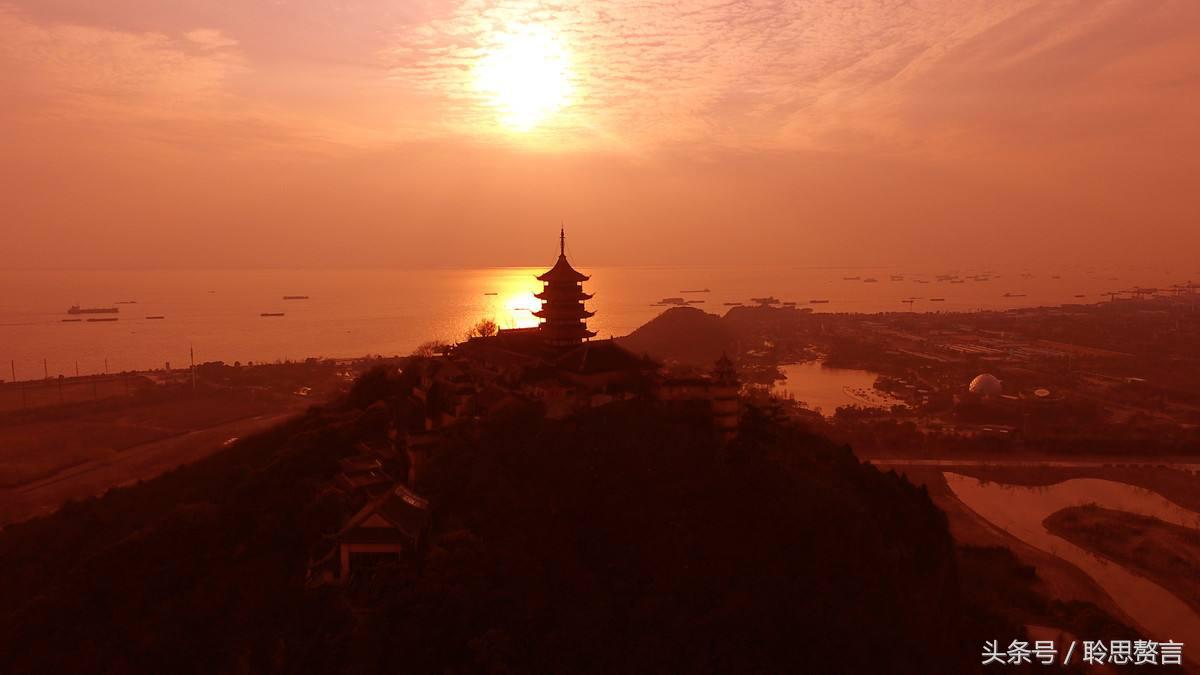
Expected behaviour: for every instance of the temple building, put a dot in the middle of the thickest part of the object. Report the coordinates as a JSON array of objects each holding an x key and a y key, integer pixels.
[{"x": 564, "y": 318}]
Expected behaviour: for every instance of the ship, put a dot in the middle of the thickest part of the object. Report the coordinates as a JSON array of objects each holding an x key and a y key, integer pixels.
[
  {"x": 295, "y": 297},
  {"x": 769, "y": 300},
  {"x": 818, "y": 302},
  {"x": 271, "y": 314},
  {"x": 870, "y": 280},
  {"x": 156, "y": 316},
  {"x": 696, "y": 290},
  {"x": 110, "y": 318},
  {"x": 76, "y": 309},
  {"x": 937, "y": 299},
  {"x": 672, "y": 301},
  {"x": 851, "y": 278}
]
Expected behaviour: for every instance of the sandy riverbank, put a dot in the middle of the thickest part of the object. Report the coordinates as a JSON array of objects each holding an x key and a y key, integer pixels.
[{"x": 1165, "y": 553}]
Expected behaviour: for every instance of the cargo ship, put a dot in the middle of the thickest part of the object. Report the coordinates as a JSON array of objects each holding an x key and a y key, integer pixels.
[
  {"x": 111, "y": 318},
  {"x": 295, "y": 297},
  {"x": 76, "y": 309},
  {"x": 271, "y": 314}
]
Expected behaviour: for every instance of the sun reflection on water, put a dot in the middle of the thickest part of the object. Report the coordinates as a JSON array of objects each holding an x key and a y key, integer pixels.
[{"x": 514, "y": 303}]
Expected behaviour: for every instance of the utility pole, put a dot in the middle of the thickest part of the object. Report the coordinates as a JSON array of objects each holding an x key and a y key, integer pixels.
[{"x": 192, "y": 356}]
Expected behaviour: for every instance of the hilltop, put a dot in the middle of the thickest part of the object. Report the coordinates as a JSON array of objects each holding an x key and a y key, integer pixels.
[{"x": 619, "y": 540}]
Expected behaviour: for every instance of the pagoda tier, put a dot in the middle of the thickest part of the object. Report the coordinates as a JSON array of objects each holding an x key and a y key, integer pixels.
[
  {"x": 563, "y": 314},
  {"x": 575, "y": 312},
  {"x": 559, "y": 294}
]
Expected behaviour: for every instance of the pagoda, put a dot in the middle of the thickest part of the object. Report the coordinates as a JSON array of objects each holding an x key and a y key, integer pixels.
[{"x": 564, "y": 318}]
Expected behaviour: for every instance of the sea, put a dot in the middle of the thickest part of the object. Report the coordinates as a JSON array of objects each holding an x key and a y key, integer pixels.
[{"x": 217, "y": 314}]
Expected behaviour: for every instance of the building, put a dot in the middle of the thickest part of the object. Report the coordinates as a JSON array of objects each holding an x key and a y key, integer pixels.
[
  {"x": 564, "y": 317},
  {"x": 714, "y": 396},
  {"x": 388, "y": 527}
]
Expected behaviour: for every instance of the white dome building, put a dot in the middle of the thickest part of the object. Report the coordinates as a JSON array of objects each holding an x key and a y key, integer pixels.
[{"x": 986, "y": 385}]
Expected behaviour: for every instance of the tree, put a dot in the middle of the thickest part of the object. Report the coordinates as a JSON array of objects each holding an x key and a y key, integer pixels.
[
  {"x": 428, "y": 349},
  {"x": 485, "y": 328}
]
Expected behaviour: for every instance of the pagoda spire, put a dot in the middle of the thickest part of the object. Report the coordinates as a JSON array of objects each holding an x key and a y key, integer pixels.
[{"x": 562, "y": 240}]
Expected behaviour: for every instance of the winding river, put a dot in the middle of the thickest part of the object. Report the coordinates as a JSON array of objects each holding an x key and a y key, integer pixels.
[{"x": 1020, "y": 510}]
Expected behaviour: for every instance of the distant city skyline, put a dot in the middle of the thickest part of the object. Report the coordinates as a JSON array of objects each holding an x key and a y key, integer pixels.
[{"x": 194, "y": 134}]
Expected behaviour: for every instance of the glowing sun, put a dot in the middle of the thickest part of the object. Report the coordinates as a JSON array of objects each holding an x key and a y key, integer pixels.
[{"x": 525, "y": 75}]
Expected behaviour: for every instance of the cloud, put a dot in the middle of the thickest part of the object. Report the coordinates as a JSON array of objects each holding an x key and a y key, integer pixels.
[
  {"x": 86, "y": 72},
  {"x": 848, "y": 75},
  {"x": 210, "y": 38}
]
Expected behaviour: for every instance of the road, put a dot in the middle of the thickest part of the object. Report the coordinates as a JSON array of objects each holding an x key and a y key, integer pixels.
[{"x": 140, "y": 462}]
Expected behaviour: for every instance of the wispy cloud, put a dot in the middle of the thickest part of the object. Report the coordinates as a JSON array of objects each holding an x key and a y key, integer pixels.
[
  {"x": 825, "y": 74},
  {"x": 92, "y": 73}
]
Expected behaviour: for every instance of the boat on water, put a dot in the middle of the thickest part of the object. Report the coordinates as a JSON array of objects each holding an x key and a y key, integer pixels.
[
  {"x": 695, "y": 302},
  {"x": 897, "y": 277},
  {"x": 76, "y": 309},
  {"x": 697, "y": 290},
  {"x": 271, "y": 314},
  {"x": 72, "y": 320},
  {"x": 921, "y": 281},
  {"x": 870, "y": 280},
  {"x": 1080, "y": 295},
  {"x": 156, "y": 317},
  {"x": 672, "y": 301},
  {"x": 1014, "y": 295},
  {"x": 851, "y": 278},
  {"x": 127, "y": 302},
  {"x": 769, "y": 300},
  {"x": 937, "y": 299},
  {"x": 491, "y": 293},
  {"x": 818, "y": 302},
  {"x": 295, "y": 297},
  {"x": 958, "y": 281},
  {"x": 104, "y": 319}
]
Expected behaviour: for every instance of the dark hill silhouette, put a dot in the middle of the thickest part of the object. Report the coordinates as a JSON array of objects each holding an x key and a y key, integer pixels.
[
  {"x": 621, "y": 540},
  {"x": 684, "y": 335}
]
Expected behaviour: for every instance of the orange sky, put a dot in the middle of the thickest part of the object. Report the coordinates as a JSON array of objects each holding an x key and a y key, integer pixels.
[{"x": 197, "y": 133}]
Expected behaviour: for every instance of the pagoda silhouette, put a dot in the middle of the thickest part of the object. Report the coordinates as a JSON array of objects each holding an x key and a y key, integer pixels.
[{"x": 564, "y": 317}]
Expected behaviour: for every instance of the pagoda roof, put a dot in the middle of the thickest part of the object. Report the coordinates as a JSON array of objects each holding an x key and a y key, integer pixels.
[
  {"x": 602, "y": 356},
  {"x": 573, "y": 294},
  {"x": 569, "y": 312},
  {"x": 405, "y": 512},
  {"x": 562, "y": 271}
]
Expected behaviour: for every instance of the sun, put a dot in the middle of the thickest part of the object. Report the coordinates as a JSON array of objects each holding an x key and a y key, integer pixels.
[{"x": 525, "y": 75}]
